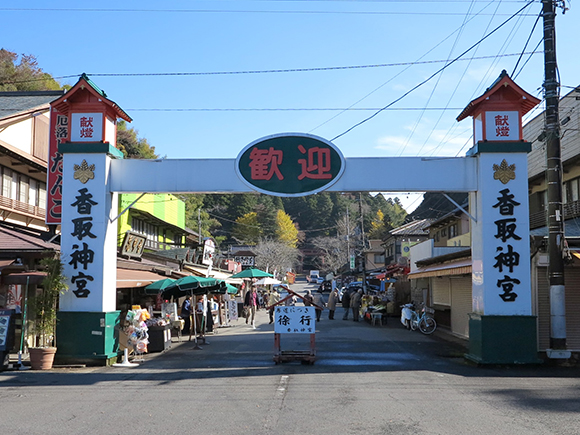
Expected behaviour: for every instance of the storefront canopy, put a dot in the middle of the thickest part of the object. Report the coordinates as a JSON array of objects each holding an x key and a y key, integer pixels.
[
  {"x": 129, "y": 278},
  {"x": 461, "y": 267}
]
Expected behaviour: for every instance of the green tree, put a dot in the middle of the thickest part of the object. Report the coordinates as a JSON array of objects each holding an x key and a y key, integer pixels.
[
  {"x": 286, "y": 232},
  {"x": 131, "y": 145},
  {"x": 23, "y": 74},
  {"x": 378, "y": 228},
  {"x": 395, "y": 214},
  {"x": 247, "y": 229}
]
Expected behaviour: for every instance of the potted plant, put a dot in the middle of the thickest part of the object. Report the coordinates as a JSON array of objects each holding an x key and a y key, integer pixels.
[{"x": 45, "y": 306}]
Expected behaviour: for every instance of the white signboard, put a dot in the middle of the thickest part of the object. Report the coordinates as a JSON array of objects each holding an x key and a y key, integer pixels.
[
  {"x": 294, "y": 320},
  {"x": 502, "y": 126},
  {"x": 86, "y": 127},
  {"x": 232, "y": 309}
]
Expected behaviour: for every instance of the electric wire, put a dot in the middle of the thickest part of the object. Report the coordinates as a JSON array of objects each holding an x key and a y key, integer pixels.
[
  {"x": 231, "y": 11},
  {"x": 526, "y": 44},
  {"x": 439, "y": 77},
  {"x": 417, "y": 62},
  {"x": 432, "y": 75}
]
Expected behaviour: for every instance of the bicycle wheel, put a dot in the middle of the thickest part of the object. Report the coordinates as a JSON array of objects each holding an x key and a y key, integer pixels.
[
  {"x": 427, "y": 325},
  {"x": 414, "y": 322}
]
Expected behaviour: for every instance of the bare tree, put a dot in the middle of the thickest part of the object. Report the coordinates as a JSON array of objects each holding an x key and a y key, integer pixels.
[{"x": 275, "y": 256}]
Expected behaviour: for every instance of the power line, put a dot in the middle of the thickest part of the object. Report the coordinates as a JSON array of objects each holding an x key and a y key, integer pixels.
[
  {"x": 432, "y": 75},
  {"x": 269, "y": 71},
  {"x": 229, "y": 11},
  {"x": 303, "y": 109}
]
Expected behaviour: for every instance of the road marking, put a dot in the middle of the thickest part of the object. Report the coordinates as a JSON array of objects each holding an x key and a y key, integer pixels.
[{"x": 283, "y": 385}]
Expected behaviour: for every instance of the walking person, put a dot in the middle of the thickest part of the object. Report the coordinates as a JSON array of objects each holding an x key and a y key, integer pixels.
[
  {"x": 308, "y": 299},
  {"x": 332, "y": 300},
  {"x": 319, "y": 304},
  {"x": 251, "y": 305},
  {"x": 345, "y": 303},
  {"x": 273, "y": 299},
  {"x": 186, "y": 315},
  {"x": 355, "y": 304}
]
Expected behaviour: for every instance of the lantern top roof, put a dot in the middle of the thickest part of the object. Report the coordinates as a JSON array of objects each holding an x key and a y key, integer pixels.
[
  {"x": 505, "y": 91},
  {"x": 86, "y": 90}
]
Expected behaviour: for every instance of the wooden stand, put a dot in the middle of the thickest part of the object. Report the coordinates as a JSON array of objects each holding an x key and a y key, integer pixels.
[{"x": 306, "y": 356}]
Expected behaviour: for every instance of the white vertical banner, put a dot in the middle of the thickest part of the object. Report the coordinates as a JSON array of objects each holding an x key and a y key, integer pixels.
[
  {"x": 88, "y": 238},
  {"x": 500, "y": 237}
]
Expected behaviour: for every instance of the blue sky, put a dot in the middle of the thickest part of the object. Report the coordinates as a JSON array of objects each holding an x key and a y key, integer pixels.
[{"x": 388, "y": 47}]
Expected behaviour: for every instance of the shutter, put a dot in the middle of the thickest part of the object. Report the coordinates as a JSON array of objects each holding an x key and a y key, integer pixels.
[
  {"x": 543, "y": 311},
  {"x": 572, "y": 277},
  {"x": 572, "y": 288},
  {"x": 441, "y": 293},
  {"x": 461, "y": 305}
]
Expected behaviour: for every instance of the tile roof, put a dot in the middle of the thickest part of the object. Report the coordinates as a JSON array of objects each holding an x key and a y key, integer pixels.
[
  {"x": 22, "y": 240},
  {"x": 413, "y": 228},
  {"x": 12, "y": 103}
]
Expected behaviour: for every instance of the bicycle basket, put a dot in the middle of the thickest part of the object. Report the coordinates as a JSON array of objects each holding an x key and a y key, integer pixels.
[{"x": 429, "y": 310}]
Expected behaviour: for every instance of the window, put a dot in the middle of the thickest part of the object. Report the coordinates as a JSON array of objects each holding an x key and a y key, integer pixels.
[
  {"x": 379, "y": 259},
  {"x": 571, "y": 190},
  {"x": 6, "y": 182},
  {"x": 453, "y": 231},
  {"x": 151, "y": 232},
  {"x": 443, "y": 232}
]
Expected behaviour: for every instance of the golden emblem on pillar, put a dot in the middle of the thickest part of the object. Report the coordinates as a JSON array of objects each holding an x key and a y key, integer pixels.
[
  {"x": 504, "y": 172},
  {"x": 84, "y": 172}
]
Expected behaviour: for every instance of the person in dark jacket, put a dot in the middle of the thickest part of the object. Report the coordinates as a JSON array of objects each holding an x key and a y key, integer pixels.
[{"x": 345, "y": 303}]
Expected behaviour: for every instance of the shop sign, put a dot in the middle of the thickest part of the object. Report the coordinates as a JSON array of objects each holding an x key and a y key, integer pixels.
[
  {"x": 133, "y": 244},
  {"x": 208, "y": 252},
  {"x": 294, "y": 320},
  {"x": 290, "y": 164},
  {"x": 244, "y": 260},
  {"x": 58, "y": 133}
]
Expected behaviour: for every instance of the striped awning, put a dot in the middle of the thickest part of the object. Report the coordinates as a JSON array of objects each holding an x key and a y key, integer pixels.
[{"x": 461, "y": 267}]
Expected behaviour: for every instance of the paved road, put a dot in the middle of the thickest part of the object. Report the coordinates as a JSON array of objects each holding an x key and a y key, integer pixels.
[{"x": 366, "y": 380}]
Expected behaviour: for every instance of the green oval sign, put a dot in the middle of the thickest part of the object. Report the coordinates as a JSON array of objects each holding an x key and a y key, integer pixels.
[{"x": 290, "y": 164}]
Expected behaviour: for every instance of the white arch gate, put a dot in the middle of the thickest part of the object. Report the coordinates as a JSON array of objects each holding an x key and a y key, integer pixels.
[{"x": 502, "y": 326}]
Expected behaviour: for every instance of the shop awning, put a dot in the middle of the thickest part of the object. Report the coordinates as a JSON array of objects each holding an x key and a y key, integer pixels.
[
  {"x": 127, "y": 278},
  {"x": 462, "y": 267},
  {"x": 21, "y": 278},
  {"x": 200, "y": 270}
]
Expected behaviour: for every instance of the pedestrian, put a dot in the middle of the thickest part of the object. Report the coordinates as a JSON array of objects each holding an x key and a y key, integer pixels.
[
  {"x": 272, "y": 301},
  {"x": 346, "y": 303},
  {"x": 308, "y": 299},
  {"x": 319, "y": 304},
  {"x": 332, "y": 300},
  {"x": 355, "y": 304},
  {"x": 186, "y": 314},
  {"x": 251, "y": 305}
]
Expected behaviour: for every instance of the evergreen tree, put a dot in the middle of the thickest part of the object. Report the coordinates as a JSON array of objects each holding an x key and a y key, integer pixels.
[
  {"x": 247, "y": 229},
  {"x": 23, "y": 75}
]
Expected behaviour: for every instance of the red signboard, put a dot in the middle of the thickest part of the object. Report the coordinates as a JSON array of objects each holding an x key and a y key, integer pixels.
[{"x": 58, "y": 133}]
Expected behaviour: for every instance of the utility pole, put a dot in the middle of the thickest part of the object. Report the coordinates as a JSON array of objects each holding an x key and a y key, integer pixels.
[
  {"x": 555, "y": 218},
  {"x": 362, "y": 238}
]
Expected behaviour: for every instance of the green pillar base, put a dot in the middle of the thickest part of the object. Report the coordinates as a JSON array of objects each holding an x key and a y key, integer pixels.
[
  {"x": 502, "y": 339},
  {"x": 87, "y": 337}
]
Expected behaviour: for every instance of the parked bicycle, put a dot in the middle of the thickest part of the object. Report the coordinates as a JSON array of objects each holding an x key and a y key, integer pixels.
[{"x": 423, "y": 320}]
